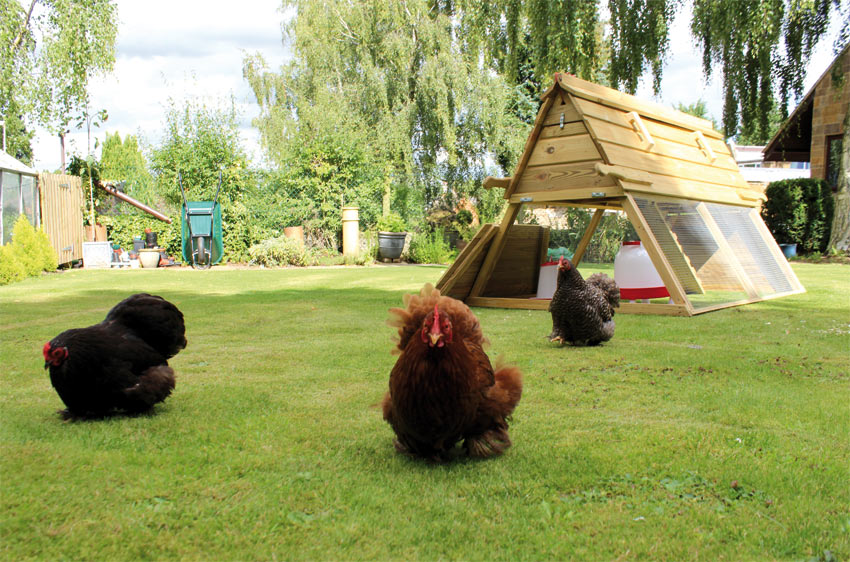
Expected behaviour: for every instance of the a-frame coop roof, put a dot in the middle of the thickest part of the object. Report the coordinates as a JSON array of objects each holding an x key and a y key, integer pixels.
[{"x": 673, "y": 176}]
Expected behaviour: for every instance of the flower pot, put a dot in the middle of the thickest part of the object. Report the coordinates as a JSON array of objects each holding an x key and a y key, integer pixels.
[
  {"x": 295, "y": 233},
  {"x": 789, "y": 250},
  {"x": 391, "y": 244},
  {"x": 96, "y": 233},
  {"x": 149, "y": 257}
]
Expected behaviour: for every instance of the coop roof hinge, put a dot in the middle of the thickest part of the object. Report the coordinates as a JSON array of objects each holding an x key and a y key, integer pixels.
[
  {"x": 526, "y": 199},
  {"x": 562, "y": 120}
]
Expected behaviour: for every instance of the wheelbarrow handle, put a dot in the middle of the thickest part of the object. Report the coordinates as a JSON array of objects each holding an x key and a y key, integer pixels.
[
  {"x": 217, "y": 189},
  {"x": 182, "y": 192}
]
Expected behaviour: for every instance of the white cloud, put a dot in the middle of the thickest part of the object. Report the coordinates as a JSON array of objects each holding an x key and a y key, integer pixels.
[{"x": 177, "y": 50}]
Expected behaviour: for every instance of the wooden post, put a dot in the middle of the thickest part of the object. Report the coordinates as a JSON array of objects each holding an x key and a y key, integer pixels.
[
  {"x": 495, "y": 250},
  {"x": 588, "y": 234}
]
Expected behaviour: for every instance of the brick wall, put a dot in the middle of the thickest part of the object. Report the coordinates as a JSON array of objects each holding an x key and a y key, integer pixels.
[{"x": 830, "y": 106}]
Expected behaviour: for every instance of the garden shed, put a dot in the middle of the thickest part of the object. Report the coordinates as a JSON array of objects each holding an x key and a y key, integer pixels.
[{"x": 671, "y": 174}]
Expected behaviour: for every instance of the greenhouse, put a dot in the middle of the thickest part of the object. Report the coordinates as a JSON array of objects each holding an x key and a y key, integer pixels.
[{"x": 18, "y": 195}]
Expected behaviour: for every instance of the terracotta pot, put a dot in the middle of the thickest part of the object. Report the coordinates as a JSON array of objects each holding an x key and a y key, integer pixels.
[
  {"x": 295, "y": 233},
  {"x": 97, "y": 234}
]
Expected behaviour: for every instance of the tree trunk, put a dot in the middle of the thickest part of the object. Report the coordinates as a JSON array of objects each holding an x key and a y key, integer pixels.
[
  {"x": 840, "y": 237},
  {"x": 62, "y": 145}
]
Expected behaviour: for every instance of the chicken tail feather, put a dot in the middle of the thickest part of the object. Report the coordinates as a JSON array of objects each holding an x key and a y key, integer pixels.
[
  {"x": 608, "y": 287},
  {"x": 154, "y": 386}
]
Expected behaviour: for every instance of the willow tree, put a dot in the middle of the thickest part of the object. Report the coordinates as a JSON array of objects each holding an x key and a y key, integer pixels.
[
  {"x": 760, "y": 48},
  {"x": 394, "y": 77}
]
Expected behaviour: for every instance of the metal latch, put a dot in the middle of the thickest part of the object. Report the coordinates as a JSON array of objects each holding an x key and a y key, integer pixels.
[
  {"x": 562, "y": 120},
  {"x": 597, "y": 194},
  {"x": 526, "y": 199}
]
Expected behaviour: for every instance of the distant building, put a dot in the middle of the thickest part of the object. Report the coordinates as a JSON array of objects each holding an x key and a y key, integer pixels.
[
  {"x": 759, "y": 173},
  {"x": 813, "y": 133}
]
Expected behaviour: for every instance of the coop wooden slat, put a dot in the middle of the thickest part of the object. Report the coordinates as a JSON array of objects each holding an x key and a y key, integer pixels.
[
  {"x": 569, "y": 195},
  {"x": 562, "y": 150},
  {"x": 569, "y": 129},
  {"x": 689, "y": 152},
  {"x": 657, "y": 129},
  {"x": 626, "y": 102},
  {"x": 561, "y": 176},
  {"x": 548, "y": 101},
  {"x": 683, "y": 170},
  {"x": 569, "y": 112}
]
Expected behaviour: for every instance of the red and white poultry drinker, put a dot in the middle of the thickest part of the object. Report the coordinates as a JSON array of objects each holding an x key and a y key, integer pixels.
[{"x": 635, "y": 274}]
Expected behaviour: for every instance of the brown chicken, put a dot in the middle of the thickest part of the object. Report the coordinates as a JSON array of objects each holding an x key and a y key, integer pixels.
[
  {"x": 120, "y": 364},
  {"x": 443, "y": 388}
]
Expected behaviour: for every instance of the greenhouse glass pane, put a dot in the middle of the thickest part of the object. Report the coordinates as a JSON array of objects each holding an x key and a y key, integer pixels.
[
  {"x": 29, "y": 199},
  {"x": 11, "y": 203}
]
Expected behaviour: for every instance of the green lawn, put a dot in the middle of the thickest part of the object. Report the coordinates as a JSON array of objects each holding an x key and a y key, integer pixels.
[{"x": 273, "y": 448}]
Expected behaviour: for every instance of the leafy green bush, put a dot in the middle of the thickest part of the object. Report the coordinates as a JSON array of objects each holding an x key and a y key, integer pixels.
[
  {"x": 799, "y": 211},
  {"x": 391, "y": 222},
  {"x": 122, "y": 228},
  {"x": 605, "y": 243},
  {"x": 278, "y": 251},
  {"x": 11, "y": 268},
  {"x": 27, "y": 255},
  {"x": 429, "y": 247},
  {"x": 33, "y": 247}
]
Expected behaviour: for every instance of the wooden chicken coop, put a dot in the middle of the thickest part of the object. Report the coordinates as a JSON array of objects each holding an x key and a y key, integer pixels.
[{"x": 671, "y": 174}]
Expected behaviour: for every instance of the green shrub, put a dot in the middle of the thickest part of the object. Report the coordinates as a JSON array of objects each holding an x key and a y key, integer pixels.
[
  {"x": 11, "y": 268},
  {"x": 33, "y": 248},
  {"x": 27, "y": 255},
  {"x": 799, "y": 211},
  {"x": 391, "y": 223},
  {"x": 429, "y": 247},
  {"x": 122, "y": 228},
  {"x": 278, "y": 251}
]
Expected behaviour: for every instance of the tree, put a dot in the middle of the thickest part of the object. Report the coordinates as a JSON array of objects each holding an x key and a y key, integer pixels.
[
  {"x": 762, "y": 48},
  {"x": 51, "y": 51},
  {"x": 393, "y": 76},
  {"x": 123, "y": 161},
  {"x": 199, "y": 142},
  {"x": 18, "y": 138}
]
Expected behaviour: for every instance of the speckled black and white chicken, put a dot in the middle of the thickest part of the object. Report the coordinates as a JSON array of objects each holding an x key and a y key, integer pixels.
[{"x": 583, "y": 311}]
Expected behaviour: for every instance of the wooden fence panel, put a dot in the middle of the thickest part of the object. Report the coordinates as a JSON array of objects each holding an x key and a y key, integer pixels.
[{"x": 62, "y": 214}]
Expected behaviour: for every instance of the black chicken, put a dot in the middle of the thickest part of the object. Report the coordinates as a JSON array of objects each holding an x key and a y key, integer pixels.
[
  {"x": 120, "y": 363},
  {"x": 583, "y": 311}
]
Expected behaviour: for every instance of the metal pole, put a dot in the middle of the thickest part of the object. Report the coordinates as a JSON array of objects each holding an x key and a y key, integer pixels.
[{"x": 3, "y": 124}]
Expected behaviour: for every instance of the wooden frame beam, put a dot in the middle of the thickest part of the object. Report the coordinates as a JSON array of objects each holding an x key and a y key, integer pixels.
[
  {"x": 495, "y": 250},
  {"x": 588, "y": 234}
]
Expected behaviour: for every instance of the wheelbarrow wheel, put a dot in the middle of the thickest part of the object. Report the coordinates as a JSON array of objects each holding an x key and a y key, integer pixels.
[{"x": 202, "y": 256}]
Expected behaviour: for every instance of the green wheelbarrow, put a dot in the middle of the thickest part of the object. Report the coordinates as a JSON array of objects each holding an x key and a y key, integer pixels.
[{"x": 201, "y": 230}]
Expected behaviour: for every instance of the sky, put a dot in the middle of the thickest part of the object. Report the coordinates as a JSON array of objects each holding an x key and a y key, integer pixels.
[{"x": 174, "y": 49}]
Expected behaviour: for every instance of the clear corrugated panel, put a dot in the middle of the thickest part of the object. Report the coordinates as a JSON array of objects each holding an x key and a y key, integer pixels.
[
  {"x": 716, "y": 251},
  {"x": 751, "y": 249}
]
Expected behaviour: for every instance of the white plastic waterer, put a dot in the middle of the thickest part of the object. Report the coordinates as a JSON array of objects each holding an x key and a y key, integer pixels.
[
  {"x": 547, "y": 282},
  {"x": 635, "y": 274}
]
